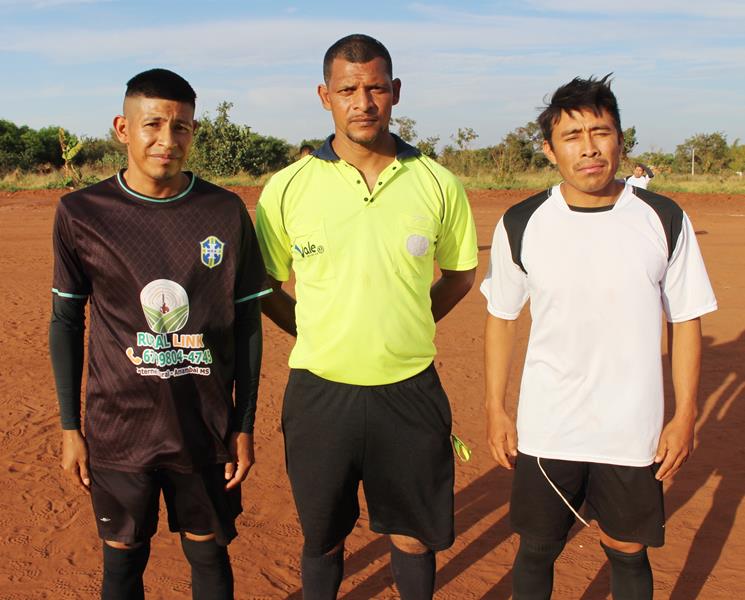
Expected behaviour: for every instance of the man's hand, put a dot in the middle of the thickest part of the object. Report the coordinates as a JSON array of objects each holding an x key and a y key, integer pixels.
[
  {"x": 242, "y": 451},
  {"x": 502, "y": 437},
  {"x": 676, "y": 445},
  {"x": 75, "y": 457}
]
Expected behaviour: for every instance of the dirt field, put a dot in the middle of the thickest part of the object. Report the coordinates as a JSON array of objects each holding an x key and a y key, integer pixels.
[{"x": 48, "y": 548}]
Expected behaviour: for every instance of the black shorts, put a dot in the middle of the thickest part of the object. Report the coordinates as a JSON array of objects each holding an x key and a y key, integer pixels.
[
  {"x": 394, "y": 438},
  {"x": 627, "y": 502},
  {"x": 126, "y": 504}
]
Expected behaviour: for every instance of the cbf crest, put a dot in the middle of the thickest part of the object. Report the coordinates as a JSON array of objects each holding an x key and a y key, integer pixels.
[{"x": 211, "y": 251}]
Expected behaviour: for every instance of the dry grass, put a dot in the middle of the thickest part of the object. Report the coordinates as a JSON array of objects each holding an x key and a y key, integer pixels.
[{"x": 483, "y": 179}]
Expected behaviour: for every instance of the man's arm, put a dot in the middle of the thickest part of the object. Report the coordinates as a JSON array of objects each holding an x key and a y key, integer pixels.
[
  {"x": 248, "y": 351},
  {"x": 279, "y": 306},
  {"x": 66, "y": 343},
  {"x": 648, "y": 171},
  {"x": 676, "y": 440},
  {"x": 449, "y": 290},
  {"x": 501, "y": 434}
]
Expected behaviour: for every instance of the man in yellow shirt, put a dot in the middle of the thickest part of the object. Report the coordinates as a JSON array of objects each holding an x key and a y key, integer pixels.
[{"x": 361, "y": 222}]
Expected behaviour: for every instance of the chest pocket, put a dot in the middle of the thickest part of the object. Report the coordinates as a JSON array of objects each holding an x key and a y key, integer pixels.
[
  {"x": 417, "y": 242},
  {"x": 312, "y": 259}
]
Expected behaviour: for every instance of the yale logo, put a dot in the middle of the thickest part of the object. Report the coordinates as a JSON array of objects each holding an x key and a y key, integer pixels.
[{"x": 307, "y": 249}]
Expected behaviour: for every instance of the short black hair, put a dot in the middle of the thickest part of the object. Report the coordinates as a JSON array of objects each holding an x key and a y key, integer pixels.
[
  {"x": 161, "y": 83},
  {"x": 579, "y": 94},
  {"x": 356, "y": 48}
]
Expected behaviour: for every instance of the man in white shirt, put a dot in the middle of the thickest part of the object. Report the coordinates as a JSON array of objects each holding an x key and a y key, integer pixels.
[
  {"x": 600, "y": 261},
  {"x": 641, "y": 176}
]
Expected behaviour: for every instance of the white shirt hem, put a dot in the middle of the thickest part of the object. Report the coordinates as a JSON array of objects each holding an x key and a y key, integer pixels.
[{"x": 607, "y": 460}]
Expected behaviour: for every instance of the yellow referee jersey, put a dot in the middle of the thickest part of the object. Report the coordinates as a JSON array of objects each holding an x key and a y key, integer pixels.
[{"x": 364, "y": 261}]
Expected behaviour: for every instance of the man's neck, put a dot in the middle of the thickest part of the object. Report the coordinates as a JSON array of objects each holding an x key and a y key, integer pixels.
[
  {"x": 378, "y": 154},
  {"x": 605, "y": 197},
  {"x": 369, "y": 160},
  {"x": 156, "y": 189}
]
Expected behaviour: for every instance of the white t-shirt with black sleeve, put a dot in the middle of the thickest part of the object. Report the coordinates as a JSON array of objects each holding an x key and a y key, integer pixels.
[{"x": 598, "y": 281}]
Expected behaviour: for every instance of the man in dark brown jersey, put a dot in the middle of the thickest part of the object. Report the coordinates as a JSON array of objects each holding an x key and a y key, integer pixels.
[{"x": 174, "y": 274}]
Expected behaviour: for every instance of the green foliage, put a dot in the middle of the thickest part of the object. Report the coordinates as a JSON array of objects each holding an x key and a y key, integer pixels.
[
  {"x": 263, "y": 154},
  {"x": 70, "y": 146},
  {"x": 463, "y": 137},
  {"x": 406, "y": 129},
  {"x": 710, "y": 153},
  {"x": 218, "y": 144},
  {"x": 428, "y": 146},
  {"x": 26, "y": 149},
  {"x": 629, "y": 140},
  {"x": 737, "y": 157},
  {"x": 107, "y": 153},
  {"x": 222, "y": 148},
  {"x": 314, "y": 143},
  {"x": 659, "y": 161}
]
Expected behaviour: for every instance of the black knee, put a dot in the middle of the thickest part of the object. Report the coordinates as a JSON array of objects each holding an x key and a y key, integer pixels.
[
  {"x": 414, "y": 574},
  {"x": 631, "y": 574},
  {"x": 211, "y": 575},
  {"x": 533, "y": 572},
  {"x": 322, "y": 575},
  {"x": 122, "y": 572}
]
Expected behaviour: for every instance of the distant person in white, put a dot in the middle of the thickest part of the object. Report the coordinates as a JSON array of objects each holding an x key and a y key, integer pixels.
[
  {"x": 640, "y": 178},
  {"x": 600, "y": 262}
]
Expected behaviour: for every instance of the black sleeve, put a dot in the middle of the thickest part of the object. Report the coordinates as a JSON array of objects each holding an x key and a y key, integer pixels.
[
  {"x": 248, "y": 348},
  {"x": 648, "y": 171},
  {"x": 66, "y": 334}
]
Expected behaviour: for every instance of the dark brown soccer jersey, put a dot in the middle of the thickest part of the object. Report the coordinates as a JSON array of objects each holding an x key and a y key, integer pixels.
[{"x": 163, "y": 278}]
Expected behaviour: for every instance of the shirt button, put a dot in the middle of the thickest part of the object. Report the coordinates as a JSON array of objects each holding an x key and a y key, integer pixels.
[
  {"x": 366, "y": 199},
  {"x": 359, "y": 181},
  {"x": 380, "y": 183}
]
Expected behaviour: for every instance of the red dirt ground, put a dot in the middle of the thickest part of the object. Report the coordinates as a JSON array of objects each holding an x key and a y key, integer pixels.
[{"x": 48, "y": 548}]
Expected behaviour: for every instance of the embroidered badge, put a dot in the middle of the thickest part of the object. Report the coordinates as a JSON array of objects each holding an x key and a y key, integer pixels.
[{"x": 211, "y": 251}]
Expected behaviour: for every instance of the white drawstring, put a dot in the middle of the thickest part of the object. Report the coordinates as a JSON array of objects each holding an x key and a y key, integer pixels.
[{"x": 564, "y": 500}]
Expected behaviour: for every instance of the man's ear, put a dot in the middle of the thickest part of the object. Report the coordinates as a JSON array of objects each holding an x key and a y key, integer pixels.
[
  {"x": 549, "y": 152},
  {"x": 323, "y": 94},
  {"x": 195, "y": 126},
  {"x": 396, "y": 90},
  {"x": 121, "y": 129}
]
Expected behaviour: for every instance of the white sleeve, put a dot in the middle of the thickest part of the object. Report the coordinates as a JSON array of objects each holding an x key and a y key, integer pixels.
[
  {"x": 505, "y": 285},
  {"x": 686, "y": 290}
]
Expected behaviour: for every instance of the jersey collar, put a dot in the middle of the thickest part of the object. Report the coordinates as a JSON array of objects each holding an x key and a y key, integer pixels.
[
  {"x": 403, "y": 150},
  {"x": 125, "y": 188}
]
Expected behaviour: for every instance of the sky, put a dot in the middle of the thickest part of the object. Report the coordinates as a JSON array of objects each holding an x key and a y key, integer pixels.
[{"x": 678, "y": 65}]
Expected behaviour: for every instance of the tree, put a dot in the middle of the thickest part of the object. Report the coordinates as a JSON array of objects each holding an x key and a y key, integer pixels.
[
  {"x": 629, "y": 140},
  {"x": 710, "y": 152},
  {"x": 70, "y": 145},
  {"x": 263, "y": 154},
  {"x": 11, "y": 146},
  {"x": 737, "y": 157},
  {"x": 463, "y": 137},
  {"x": 406, "y": 129},
  {"x": 428, "y": 146},
  {"x": 222, "y": 148}
]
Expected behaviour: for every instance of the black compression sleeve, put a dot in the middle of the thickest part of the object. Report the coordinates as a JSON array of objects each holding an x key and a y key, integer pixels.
[
  {"x": 66, "y": 333},
  {"x": 248, "y": 348}
]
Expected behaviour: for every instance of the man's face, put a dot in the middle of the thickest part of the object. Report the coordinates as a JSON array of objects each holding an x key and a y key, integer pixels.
[
  {"x": 158, "y": 134},
  {"x": 360, "y": 97},
  {"x": 586, "y": 148},
  {"x": 638, "y": 171}
]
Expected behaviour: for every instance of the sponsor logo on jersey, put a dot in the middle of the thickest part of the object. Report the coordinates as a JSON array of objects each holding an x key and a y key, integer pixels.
[
  {"x": 211, "y": 251},
  {"x": 166, "y": 305},
  {"x": 165, "y": 353},
  {"x": 307, "y": 249}
]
